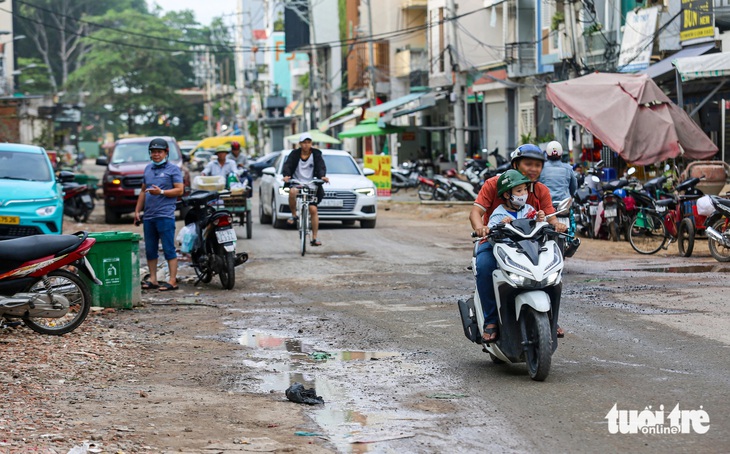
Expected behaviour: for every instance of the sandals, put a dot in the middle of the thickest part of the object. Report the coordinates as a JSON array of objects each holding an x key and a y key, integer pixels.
[
  {"x": 292, "y": 220},
  {"x": 490, "y": 334},
  {"x": 316, "y": 242},
  {"x": 560, "y": 332},
  {"x": 147, "y": 285},
  {"x": 166, "y": 287}
]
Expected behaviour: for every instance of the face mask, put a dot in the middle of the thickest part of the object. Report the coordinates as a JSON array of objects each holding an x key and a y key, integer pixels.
[
  {"x": 519, "y": 200},
  {"x": 161, "y": 163}
]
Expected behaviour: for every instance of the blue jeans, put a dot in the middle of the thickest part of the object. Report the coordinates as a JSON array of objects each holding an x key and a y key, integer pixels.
[
  {"x": 486, "y": 263},
  {"x": 157, "y": 229}
]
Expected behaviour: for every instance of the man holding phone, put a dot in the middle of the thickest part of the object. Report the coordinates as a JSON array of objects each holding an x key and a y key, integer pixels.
[{"x": 162, "y": 185}]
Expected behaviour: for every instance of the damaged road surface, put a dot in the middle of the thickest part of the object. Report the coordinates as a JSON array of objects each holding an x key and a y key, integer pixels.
[{"x": 369, "y": 322}]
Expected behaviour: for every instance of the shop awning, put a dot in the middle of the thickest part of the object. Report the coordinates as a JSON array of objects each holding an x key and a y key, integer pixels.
[
  {"x": 664, "y": 67},
  {"x": 380, "y": 109},
  {"x": 426, "y": 101},
  {"x": 369, "y": 127},
  {"x": 703, "y": 67},
  {"x": 349, "y": 112}
]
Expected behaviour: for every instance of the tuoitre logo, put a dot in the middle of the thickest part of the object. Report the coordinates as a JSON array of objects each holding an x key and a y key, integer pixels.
[{"x": 650, "y": 422}]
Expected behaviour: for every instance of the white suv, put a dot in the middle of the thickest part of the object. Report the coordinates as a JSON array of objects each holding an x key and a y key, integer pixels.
[{"x": 348, "y": 197}]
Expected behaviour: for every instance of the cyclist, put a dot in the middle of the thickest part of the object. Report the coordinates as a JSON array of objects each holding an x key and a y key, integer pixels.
[
  {"x": 557, "y": 175},
  {"x": 305, "y": 164},
  {"x": 529, "y": 160}
]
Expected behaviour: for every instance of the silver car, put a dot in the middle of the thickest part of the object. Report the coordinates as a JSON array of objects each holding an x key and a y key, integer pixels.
[{"x": 348, "y": 197}]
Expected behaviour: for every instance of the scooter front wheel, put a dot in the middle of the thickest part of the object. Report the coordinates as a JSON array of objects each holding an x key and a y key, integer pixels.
[
  {"x": 69, "y": 285},
  {"x": 539, "y": 344}
]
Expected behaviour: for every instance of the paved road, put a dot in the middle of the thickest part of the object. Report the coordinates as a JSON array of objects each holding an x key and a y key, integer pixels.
[{"x": 392, "y": 292}]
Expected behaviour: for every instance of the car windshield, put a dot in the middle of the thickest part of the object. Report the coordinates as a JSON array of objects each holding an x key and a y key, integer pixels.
[
  {"x": 16, "y": 165},
  {"x": 341, "y": 165},
  {"x": 138, "y": 152}
]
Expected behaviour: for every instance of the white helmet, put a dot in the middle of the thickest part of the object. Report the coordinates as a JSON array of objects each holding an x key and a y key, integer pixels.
[{"x": 554, "y": 150}]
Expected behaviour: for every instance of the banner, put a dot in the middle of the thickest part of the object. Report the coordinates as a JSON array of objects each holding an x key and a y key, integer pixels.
[
  {"x": 638, "y": 40},
  {"x": 381, "y": 165},
  {"x": 698, "y": 23}
]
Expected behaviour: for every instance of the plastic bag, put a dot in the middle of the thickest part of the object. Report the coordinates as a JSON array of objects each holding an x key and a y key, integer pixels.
[
  {"x": 301, "y": 395},
  {"x": 187, "y": 237},
  {"x": 705, "y": 206}
]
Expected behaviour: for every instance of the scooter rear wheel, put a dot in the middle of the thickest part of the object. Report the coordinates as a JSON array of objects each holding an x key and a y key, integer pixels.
[
  {"x": 71, "y": 286},
  {"x": 539, "y": 347}
]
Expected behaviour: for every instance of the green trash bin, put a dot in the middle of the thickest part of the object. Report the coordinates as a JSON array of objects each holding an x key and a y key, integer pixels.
[{"x": 115, "y": 259}]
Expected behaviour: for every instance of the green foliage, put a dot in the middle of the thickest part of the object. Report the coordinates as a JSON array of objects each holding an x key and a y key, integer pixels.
[
  {"x": 304, "y": 81},
  {"x": 33, "y": 78},
  {"x": 557, "y": 19},
  {"x": 594, "y": 28},
  {"x": 279, "y": 22},
  {"x": 525, "y": 138},
  {"x": 546, "y": 138}
]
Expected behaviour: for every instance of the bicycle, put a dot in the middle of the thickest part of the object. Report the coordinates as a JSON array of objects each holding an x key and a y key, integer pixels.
[
  {"x": 305, "y": 197},
  {"x": 656, "y": 228}
]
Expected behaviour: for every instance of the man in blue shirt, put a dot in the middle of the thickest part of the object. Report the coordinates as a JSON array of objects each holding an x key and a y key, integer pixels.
[
  {"x": 223, "y": 166},
  {"x": 557, "y": 175},
  {"x": 162, "y": 185}
]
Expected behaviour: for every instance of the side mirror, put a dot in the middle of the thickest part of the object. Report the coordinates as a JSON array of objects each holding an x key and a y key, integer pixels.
[
  {"x": 269, "y": 171},
  {"x": 666, "y": 167},
  {"x": 367, "y": 171},
  {"x": 631, "y": 171},
  {"x": 563, "y": 206},
  {"x": 102, "y": 161},
  {"x": 65, "y": 176}
]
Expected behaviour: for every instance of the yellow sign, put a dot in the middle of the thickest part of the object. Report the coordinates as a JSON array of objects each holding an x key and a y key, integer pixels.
[
  {"x": 381, "y": 165},
  {"x": 697, "y": 20}
]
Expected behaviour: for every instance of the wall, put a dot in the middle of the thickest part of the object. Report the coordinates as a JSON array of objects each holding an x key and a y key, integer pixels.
[{"x": 8, "y": 65}]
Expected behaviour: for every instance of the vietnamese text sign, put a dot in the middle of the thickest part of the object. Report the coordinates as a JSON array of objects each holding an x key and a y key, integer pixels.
[
  {"x": 697, "y": 21},
  {"x": 381, "y": 165},
  {"x": 638, "y": 40}
]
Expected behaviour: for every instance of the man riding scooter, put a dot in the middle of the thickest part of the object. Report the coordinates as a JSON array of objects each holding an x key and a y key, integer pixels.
[{"x": 529, "y": 160}]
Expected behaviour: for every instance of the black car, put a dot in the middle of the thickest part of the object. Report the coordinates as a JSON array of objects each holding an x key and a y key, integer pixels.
[{"x": 259, "y": 164}]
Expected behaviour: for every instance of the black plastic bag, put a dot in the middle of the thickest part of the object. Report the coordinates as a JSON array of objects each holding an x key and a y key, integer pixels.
[{"x": 297, "y": 393}]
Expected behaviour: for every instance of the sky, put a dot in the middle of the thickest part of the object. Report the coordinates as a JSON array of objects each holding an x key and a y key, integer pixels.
[{"x": 205, "y": 10}]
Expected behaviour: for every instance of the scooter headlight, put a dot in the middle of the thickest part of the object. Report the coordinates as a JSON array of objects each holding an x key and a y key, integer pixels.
[
  {"x": 521, "y": 281},
  {"x": 46, "y": 211},
  {"x": 553, "y": 279}
]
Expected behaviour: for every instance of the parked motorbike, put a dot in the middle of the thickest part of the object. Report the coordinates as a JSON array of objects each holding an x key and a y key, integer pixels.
[
  {"x": 404, "y": 177},
  {"x": 77, "y": 201},
  {"x": 718, "y": 229},
  {"x": 40, "y": 285},
  {"x": 460, "y": 189},
  {"x": 213, "y": 248},
  {"x": 528, "y": 285}
]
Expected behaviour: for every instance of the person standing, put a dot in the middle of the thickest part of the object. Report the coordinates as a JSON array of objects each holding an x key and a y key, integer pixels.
[
  {"x": 305, "y": 164},
  {"x": 162, "y": 185}
]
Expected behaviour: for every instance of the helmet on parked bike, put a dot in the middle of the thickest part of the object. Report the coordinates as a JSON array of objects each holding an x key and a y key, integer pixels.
[
  {"x": 235, "y": 145},
  {"x": 527, "y": 150},
  {"x": 554, "y": 150},
  {"x": 510, "y": 179},
  {"x": 451, "y": 173},
  {"x": 158, "y": 144}
]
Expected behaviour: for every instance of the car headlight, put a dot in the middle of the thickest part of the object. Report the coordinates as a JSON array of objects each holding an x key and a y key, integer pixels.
[
  {"x": 283, "y": 190},
  {"x": 367, "y": 192},
  {"x": 46, "y": 211},
  {"x": 113, "y": 179}
]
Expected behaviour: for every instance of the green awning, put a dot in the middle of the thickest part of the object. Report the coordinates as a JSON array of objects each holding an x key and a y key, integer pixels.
[
  {"x": 369, "y": 128},
  {"x": 317, "y": 137},
  {"x": 325, "y": 125},
  {"x": 380, "y": 109}
]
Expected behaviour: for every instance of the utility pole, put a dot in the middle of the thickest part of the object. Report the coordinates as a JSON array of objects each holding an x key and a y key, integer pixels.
[
  {"x": 209, "y": 74},
  {"x": 458, "y": 95},
  {"x": 315, "y": 104},
  {"x": 241, "y": 117},
  {"x": 570, "y": 19},
  {"x": 371, "y": 63}
]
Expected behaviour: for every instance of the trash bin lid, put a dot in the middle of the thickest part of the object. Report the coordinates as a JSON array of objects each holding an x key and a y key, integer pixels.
[{"x": 103, "y": 237}]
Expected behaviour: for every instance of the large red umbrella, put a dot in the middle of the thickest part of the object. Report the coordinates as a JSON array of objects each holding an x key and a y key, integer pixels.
[{"x": 631, "y": 114}]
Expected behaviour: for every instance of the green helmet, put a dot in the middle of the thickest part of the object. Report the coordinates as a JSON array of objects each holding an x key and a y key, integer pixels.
[{"x": 510, "y": 179}]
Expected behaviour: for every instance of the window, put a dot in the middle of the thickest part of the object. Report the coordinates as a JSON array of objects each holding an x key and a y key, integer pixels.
[{"x": 15, "y": 165}]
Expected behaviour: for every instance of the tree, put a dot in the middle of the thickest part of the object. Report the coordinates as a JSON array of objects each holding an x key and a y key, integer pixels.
[{"x": 56, "y": 29}]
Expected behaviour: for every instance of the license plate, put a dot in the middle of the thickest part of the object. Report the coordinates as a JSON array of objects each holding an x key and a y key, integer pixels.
[
  {"x": 610, "y": 213},
  {"x": 225, "y": 236},
  {"x": 661, "y": 209},
  {"x": 137, "y": 191},
  {"x": 86, "y": 198},
  {"x": 593, "y": 209},
  {"x": 331, "y": 203},
  {"x": 565, "y": 221},
  {"x": 9, "y": 220}
]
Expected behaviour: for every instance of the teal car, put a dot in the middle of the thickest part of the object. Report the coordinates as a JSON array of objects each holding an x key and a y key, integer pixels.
[{"x": 31, "y": 200}]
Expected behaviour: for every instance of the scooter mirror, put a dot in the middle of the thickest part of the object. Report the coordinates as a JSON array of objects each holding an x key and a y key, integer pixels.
[
  {"x": 666, "y": 167},
  {"x": 563, "y": 207},
  {"x": 631, "y": 171}
]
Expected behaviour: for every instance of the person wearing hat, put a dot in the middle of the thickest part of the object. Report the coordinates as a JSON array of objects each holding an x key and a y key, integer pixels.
[
  {"x": 161, "y": 186},
  {"x": 222, "y": 166},
  {"x": 528, "y": 159},
  {"x": 305, "y": 164}
]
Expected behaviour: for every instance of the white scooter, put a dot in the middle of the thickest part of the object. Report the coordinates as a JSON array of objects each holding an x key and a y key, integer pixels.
[{"x": 527, "y": 284}]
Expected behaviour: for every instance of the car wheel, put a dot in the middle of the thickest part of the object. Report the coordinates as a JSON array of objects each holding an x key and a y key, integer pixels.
[
  {"x": 367, "y": 224},
  {"x": 278, "y": 223},
  {"x": 111, "y": 216},
  {"x": 263, "y": 217}
]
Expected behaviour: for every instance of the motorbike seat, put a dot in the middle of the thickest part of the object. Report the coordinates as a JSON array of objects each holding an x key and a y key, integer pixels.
[
  {"x": 20, "y": 250},
  {"x": 669, "y": 203},
  {"x": 687, "y": 184},
  {"x": 721, "y": 201},
  {"x": 201, "y": 198}
]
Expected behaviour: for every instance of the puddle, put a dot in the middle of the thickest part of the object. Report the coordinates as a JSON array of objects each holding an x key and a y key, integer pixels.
[{"x": 685, "y": 269}]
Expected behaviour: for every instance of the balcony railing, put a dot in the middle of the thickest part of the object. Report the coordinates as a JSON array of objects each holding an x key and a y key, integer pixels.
[{"x": 520, "y": 59}]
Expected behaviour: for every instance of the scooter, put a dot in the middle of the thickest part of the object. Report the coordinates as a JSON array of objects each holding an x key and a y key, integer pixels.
[
  {"x": 213, "y": 248},
  {"x": 405, "y": 177},
  {"x": 40, "y": 284},
  {"x": 77, "y": 201},
  {"x": 528, "y": 285},
  {"x": 718, "y": 229}
]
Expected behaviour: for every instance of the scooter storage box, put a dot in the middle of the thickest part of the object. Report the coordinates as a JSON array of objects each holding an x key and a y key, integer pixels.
[{"x": 203, "y": 183}]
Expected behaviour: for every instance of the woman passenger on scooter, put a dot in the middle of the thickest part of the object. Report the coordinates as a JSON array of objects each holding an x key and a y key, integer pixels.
[{"x": 529, "y": 160}]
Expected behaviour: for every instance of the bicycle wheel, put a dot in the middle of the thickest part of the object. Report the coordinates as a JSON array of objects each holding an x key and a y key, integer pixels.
[
  {"x": 303, "y": 227},
  {"x": 648, "y": 233}
]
